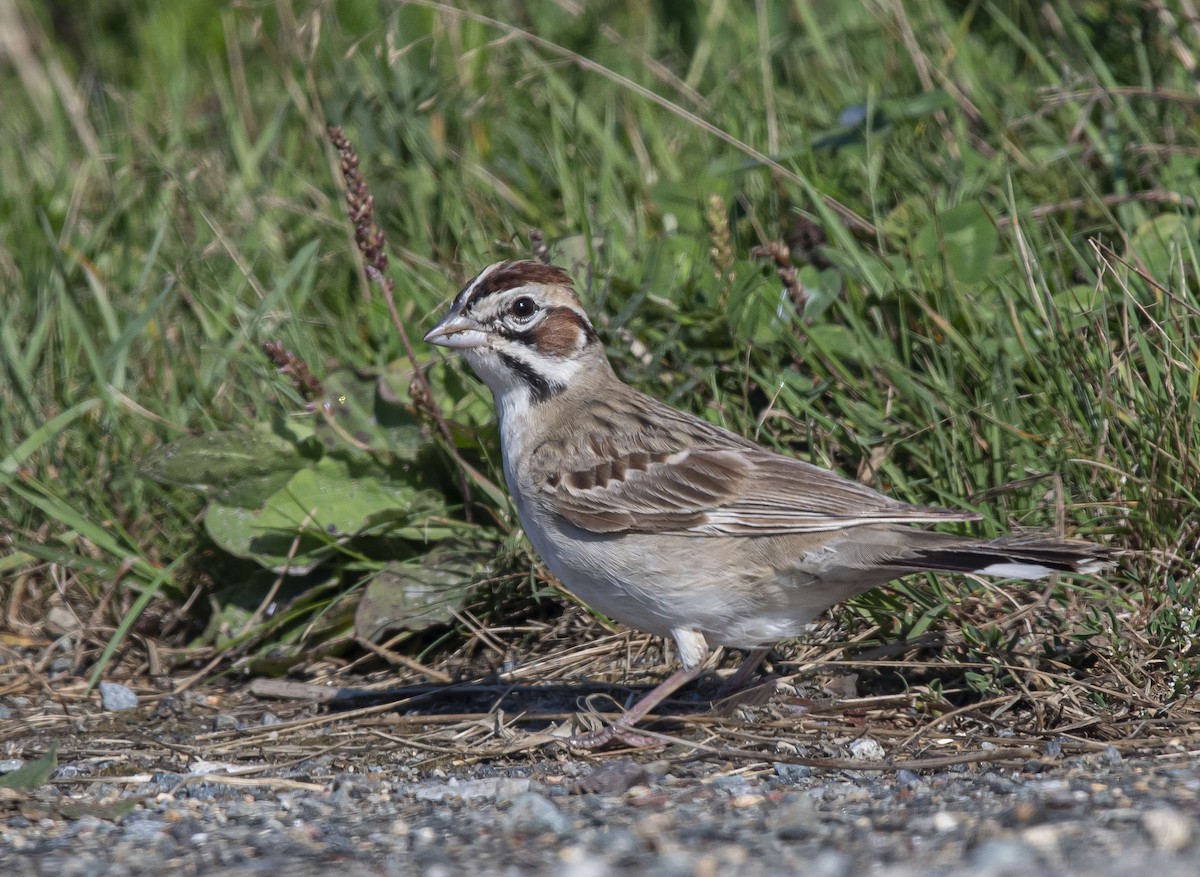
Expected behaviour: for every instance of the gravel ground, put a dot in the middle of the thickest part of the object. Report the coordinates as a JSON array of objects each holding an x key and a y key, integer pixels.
[
  {"x": 294, "y": 777},
  {"x": 401, "y": 809}
]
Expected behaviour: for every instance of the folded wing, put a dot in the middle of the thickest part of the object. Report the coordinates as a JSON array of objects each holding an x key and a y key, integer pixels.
[{"x": 640, "y": 484}]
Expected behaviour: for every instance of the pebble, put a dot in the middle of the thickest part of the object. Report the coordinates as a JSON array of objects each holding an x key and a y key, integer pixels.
[
  {"x": 532, "y": 813},
  {"x": 8, "y": 765},
  {"x": 492, "y": 788},
  {"x": 792, "y": 773},
  {"x": 945, "y": 822},
  {"x": 867, "y": 749},
  {"x": 734, "y": 783},
  {"x": 830, "y": 863},
  {"x": 1006, "y": 858},
  {"x": 115, "y": 697},
  {"x": 795, "y": 819},
  {"x": 1169, "y": 829},
  {"x": 387, "y": 812},
  {"x": 575, "y": 861}
]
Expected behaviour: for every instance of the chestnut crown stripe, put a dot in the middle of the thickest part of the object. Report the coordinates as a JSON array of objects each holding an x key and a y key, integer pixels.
[{"x": 510, "y": 275}]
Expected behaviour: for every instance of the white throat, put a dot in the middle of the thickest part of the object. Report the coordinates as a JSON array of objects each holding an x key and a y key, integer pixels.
[{"x": 515, "y": 397}]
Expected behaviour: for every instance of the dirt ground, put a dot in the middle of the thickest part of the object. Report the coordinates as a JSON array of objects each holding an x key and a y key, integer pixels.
[{"x": 246, "y": 776}]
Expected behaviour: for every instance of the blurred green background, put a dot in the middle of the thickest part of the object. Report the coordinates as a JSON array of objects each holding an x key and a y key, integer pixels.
[{"x": 992, "y": 208}]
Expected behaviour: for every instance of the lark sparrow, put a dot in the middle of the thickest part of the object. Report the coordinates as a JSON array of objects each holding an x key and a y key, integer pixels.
[{"x": 675, "y": 526}]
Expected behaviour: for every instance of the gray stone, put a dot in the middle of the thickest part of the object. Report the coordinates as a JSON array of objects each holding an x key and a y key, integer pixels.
[
  {"x": 116, "y": 697},
  {"x": 867, "y": 749},
  {"x": 532, "y": 813},
  {"x": 1006, "y": 858},
  {"x": 1169, "y": 829},
  {"x": 830, "y": 863},
  {"x": 795, "y": 819},
  {"x": 792, "y": 773},
  {"x": 492, "y": 788}
]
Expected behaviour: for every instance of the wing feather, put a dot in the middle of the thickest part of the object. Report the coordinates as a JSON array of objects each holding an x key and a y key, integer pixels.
[{"x": 674, "y": 476}]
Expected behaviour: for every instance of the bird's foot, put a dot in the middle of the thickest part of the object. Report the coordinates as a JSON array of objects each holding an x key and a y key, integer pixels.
[{"x": 618, "y": 731}]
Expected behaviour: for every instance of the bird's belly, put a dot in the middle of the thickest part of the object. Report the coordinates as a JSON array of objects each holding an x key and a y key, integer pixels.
[{"x": 660, "y": 584}]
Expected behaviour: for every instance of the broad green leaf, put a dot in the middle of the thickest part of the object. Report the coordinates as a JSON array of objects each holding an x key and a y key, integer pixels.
[
  {"x": 835, "y": 341},
  {"x": 1157, "y": 245},
  {"x": 375, "y": 410},
  {"x": 329, "y": 498},
  {"x": 32, "y": 774},
  {"x": 323, "y": 506},
  {"x": 241, "y": 532},
  {"x": 821, "y": 289},
  {"x": 969, "y": 239},
  {"x": 240, "y": 469},
  {"x": 414, "y": 596},
  {"x": 906, "y": 218}
]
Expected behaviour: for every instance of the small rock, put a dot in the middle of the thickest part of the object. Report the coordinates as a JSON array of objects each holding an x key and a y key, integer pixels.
[
  {"x": 224, "y": 722},
  {"x": 8, "y": 765},
  {"x": 1006, "y": 858},
  {"x": 142, "y": 831},
  {"x": 162, "y": 782},
  {"x": 5, "y": 713},
  {"x": 1170, "y": 829},
  {"x": 269, "y": 718},
  {"x": 735, "y": 784},
  {"x": 532, "y": 813},
  {"x": 792, "y": 773},
  {"x": 830, "y": 863},
  {"x": 618, "y": 841},
  {"x": 795, "y": 819},
  {"x": 168, "y": 705},
  {"x": 115, "y": 697},
  {"x": 611, "y": 778},
  {"x": 1000, "y": 785},
  {"x": 510, "y": 788},
  {"x": 577, "y": 862},
  {"x": 1046, "y": 839},
  {"x": 945, "y": 822},
  {"x": 492, "y": 788},
  {"x": 1027, "y": 811},
  {"x": 866, "y": 749}
]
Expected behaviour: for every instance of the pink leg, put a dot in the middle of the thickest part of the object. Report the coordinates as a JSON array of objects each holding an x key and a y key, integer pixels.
[
  {"x": 622, "y": 728},
  {"x": 745, "y": 671}
]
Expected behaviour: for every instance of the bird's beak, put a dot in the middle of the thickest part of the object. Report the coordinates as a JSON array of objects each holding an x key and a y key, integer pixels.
[{"x": 457, "y": 332}]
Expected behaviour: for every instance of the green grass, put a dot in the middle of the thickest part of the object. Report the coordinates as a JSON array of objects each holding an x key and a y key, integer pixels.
[{"x": 1018, "y": 324}]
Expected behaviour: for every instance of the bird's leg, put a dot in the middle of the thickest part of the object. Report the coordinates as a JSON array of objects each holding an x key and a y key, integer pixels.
[
  {"x": 745, "y": 672},
  {"x": 694, "y": 653}
]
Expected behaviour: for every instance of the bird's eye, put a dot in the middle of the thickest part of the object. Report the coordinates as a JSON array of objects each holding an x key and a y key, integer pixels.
[{"x": 523, "y": 308}]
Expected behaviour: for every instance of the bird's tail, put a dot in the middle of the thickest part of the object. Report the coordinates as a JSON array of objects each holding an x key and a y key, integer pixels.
[{"x": 1011, "y": 557}]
